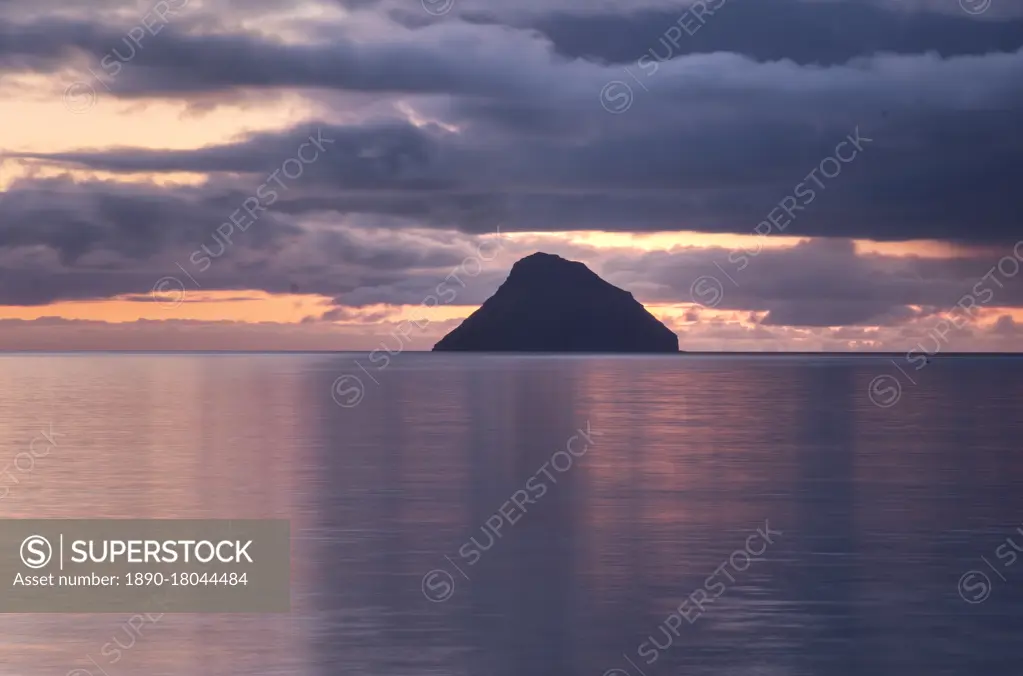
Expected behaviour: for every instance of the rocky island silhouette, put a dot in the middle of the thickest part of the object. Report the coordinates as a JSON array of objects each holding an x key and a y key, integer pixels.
[{"x": 550, "y": 304}]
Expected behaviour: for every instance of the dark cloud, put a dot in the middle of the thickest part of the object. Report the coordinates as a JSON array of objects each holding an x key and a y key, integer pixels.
[
  {"x": 826, "y": 312},
  {"x": 823, "y": 33},
  {"x": 391, "y": 155},
  {"x": 1007, "y": 326},
  {"x": 455, "y": 60},
  {"x": 72, "y": 241},
  {"x": 946, "y": 174},
  {"x": 822, "y": 282},
  {"x": 521, "y": 10},
  {"x": 712, "y": 142},
  {"x": 130, "y": 221}
]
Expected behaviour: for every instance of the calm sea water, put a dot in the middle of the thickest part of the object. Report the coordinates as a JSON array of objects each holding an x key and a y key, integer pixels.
[{"x": 875, "y": 514}]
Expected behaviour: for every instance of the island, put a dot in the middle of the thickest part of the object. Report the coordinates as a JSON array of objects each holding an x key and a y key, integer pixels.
[{"x": 550, "y": 304}]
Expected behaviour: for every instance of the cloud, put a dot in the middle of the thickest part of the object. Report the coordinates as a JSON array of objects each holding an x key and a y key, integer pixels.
[
  {"x": 711, "y": 143},
  {"x": 921, "y": 173},
  {"x": 1007, "y": 326},
  {"x": 820, "y": 282},
  {"x": 822, "y": 33},
  {"x": 445, "y": 128},
  {"x": 65, "y": 241}
]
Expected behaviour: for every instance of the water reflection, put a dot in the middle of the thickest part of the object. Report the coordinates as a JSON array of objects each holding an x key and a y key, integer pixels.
[{"x": 881, "y": 510}]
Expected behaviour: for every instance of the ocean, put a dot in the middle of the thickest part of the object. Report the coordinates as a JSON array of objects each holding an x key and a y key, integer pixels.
[{"x": 467, "y": 514}]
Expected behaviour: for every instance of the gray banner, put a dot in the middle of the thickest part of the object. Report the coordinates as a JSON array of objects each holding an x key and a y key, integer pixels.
[{"x": 157, "y": 565}]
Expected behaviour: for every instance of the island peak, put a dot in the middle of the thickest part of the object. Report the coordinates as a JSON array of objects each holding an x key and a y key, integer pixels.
[{"x": 551, "y": 304}]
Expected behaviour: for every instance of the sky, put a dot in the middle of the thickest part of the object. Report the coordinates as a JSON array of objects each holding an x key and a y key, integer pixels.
[{"x": 341, "y": 174}]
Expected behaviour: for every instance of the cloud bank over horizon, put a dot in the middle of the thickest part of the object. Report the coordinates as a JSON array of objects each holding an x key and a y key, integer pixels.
[{"x": 779, "y": 174}]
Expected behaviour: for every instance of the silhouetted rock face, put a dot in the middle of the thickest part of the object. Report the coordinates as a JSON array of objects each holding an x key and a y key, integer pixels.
[{"x": 549, "y": 304}]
